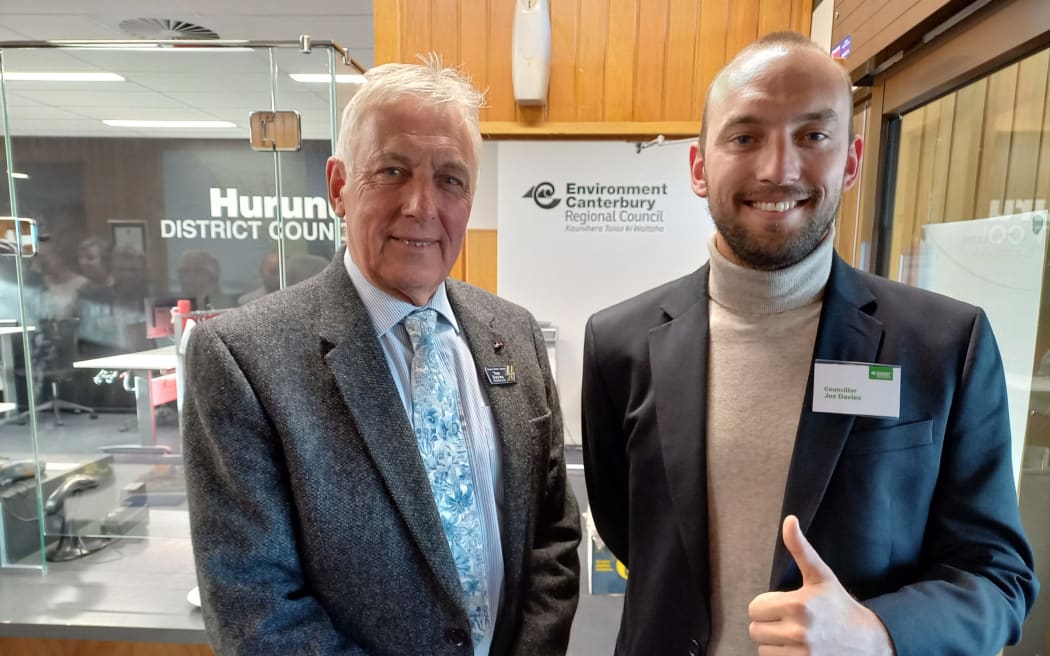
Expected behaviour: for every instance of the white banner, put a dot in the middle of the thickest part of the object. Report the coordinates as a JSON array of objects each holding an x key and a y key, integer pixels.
[
  {"x": 997, "y": 264},
  {"x": 583, "y": 225}
]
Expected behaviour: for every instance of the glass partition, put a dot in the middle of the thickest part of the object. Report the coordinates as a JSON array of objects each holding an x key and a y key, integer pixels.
[
  {"x": 970, "y": 220},
  {"x": 137, "y": 165},
  {"x": 21, "y": 489}
]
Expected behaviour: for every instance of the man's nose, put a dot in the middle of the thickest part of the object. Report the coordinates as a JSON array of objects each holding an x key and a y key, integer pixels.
[
  {"x": 780, "y": 162},
  {"x": 419, "y": 203}
]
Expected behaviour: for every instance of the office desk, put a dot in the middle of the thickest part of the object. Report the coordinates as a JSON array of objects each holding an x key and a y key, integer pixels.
[
  {"x": 141, "y": 365},
  {"x": 7, "y": 360}
]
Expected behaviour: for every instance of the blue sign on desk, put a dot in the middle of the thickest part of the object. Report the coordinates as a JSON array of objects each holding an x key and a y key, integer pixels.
[{"x": 608, "y": 575}]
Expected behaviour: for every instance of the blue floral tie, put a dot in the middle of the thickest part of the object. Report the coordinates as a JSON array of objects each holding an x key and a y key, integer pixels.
[{"x": 435, "y": 419}]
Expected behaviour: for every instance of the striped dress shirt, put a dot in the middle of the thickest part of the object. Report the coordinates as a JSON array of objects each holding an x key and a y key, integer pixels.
[{"x": 479, "y": 426}]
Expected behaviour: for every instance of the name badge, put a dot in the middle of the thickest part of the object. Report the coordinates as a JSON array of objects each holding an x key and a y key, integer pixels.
[
  {"x": 500, "y": 375},
  {"x": 857, "y": 388}
]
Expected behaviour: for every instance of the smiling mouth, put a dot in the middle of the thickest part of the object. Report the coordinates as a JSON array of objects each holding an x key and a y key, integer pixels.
[
  {"x": 416, "y": 244},
  {"x": 780, "y": 206}
]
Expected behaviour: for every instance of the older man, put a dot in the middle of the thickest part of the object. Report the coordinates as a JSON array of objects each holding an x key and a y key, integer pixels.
[
  {"x": 374, "y": 456},
  {"x": 791, "y": 455}
]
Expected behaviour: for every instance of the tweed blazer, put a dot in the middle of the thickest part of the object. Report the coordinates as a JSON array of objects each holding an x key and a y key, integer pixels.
[{"x": 313, "y": 525}]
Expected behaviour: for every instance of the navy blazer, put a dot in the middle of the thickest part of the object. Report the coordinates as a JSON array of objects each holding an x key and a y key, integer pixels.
[
  {"x": 917, "y": 516},
  {"x": 313, "y": 524}
]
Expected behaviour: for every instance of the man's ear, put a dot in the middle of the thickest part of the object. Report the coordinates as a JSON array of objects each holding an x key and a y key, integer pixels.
[
  {"x": 853, "y": 160},
  {"x": 696, "y": 171},
  {"x": 335, "y": 171}
]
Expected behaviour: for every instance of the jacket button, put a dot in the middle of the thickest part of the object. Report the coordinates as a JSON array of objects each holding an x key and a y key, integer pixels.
[
  {"x": 456, "y": 637},
  {"x": 694, "y": 648}
]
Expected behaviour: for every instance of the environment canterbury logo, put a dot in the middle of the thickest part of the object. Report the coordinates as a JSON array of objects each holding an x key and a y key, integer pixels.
[
  {"x": 543, "y": 195},
  {"x": 600, "y": 207}
]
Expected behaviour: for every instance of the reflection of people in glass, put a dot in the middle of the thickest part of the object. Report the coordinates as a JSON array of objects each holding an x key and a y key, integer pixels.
[
  {"x": 61, "y": 283},
  {"x": 301, "y": 267},
  {"x": 199, "y": 275},
  {"x": 93, "y": 258},
  {"x": 112, "y": 318},
  {"x": 270, "y": 274}
]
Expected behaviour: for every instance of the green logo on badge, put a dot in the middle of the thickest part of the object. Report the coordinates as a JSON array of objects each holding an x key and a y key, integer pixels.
[{"x": 878, "y": 372}]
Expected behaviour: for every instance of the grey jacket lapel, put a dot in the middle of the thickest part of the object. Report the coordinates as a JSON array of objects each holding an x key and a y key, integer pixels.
[
  {"x": 678, "y": 356},
  {"x": 359, "y": 368},
  {"x": 847, "y": 333},
  {"x": 482, "y": 330}
]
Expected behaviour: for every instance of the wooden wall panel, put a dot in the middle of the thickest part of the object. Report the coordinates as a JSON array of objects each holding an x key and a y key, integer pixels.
[
  {"x": 924, "y": 173},
  {"x": 879, "y": 26},
  {"x": 444, "y": 28},
  {"x": 473, "y": 52},
  {"x": 711, "y": 55},
  {"x": 621, "y": 68},
  {"x": 1042, "y": 177},
  {"x": 848, "y": 234},
  {"x": 679, "y": 60},
  {"x": 649, "y": 79},
  {"x": 619, "y": 61},
  {"x": 1028, "y": 133},
  {"x": 743, "y": 25},
  {"x": 561, "y": 91},
  {"x": 904, "y": 223},
  {"x": 974, "y": 154},
  {"x": 942, "y": 159},
  {"x": 995, "y": 142},
  {"x": 966, "y": 144},
  {"x": 500, "y": 87},
  {"x": 590, "y": 60},
  {"x": 774, "y": 16},
  {"x": 482, "y": 259}
]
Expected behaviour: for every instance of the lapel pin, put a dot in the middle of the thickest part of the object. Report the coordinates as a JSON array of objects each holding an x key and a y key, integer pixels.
[
  {"x": 497, "y": 346},
  {"x": 501, "y": 375}
]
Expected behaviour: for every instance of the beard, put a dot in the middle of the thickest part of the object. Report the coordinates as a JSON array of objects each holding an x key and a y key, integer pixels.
[{"x": 775, "y": 249}]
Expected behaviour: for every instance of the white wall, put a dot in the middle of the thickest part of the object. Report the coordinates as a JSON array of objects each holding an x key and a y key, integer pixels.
[{"x": 563, "y": 273}]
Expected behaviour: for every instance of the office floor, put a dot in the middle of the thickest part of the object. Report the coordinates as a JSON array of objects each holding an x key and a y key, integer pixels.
[{"x": 595, "y": 626}]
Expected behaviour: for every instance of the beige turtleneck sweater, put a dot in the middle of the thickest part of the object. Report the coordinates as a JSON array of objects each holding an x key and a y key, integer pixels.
[{"x": 763, "y": 328}]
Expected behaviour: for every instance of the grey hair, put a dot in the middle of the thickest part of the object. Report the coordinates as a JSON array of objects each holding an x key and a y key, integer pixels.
[{"x": 430, "y": 82}]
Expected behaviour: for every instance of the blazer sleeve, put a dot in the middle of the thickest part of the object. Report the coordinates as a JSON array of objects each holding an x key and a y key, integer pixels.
[
  {"x": 553, "y": 562},
  {"x": 604, "y": 452},
  {"x": 976, "y": 583},
  {"x": 254, "y": 599}
]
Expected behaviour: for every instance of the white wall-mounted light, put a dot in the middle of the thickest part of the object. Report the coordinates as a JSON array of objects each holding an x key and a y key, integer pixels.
[
  {"x": 19, "y": 176},
  {"x": 122, "y": 123},
  {"x": 531, "y": 51},
  {"x": 11, "y": 76},
  {"x": 324, "y": 78}
]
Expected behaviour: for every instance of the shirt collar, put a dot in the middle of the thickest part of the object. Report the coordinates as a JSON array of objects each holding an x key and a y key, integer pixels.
[{"x": 387, "y": 311}]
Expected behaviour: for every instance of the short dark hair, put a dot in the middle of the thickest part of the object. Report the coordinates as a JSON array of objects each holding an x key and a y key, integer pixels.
[{"x": 787, "y": 39}]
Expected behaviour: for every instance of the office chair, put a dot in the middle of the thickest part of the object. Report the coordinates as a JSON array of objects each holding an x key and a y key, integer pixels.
[{"x": 54, "y": 351}]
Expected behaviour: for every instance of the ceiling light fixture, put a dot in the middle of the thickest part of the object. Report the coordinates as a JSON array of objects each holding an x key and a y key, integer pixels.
[
  {"x": 325, "y": 78},
  {"x": 123, "y": 123},
  {"x": 61, "y": 77}
]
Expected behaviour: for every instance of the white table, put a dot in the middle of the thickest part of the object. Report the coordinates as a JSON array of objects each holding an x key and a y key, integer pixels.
[{"x": 141, "y": 365}]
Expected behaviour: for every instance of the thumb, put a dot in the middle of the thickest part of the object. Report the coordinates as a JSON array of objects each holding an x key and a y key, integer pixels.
[{"x": 814, "y": 570}]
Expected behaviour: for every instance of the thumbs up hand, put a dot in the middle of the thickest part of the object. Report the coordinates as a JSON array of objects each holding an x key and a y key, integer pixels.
[{"x": 818, "y": 618}]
